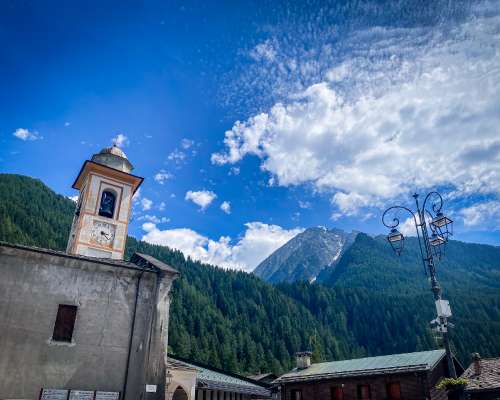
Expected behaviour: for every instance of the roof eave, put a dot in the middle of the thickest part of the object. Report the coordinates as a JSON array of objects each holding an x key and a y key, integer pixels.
[
  {"x": 136, "y": 180},
  {"x": 349, "y": 374}
]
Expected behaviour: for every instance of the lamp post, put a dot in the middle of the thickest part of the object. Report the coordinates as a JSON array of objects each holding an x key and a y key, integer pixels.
[{"x": 431, "y": 247}]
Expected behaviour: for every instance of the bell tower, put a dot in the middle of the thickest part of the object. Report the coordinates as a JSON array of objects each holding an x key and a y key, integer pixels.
[{"x": 102, "y": 213}]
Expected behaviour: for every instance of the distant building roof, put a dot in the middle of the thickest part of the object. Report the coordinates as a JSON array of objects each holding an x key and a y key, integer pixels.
[
  {"x": 216, "y": 379},
  {"x": 488, "y": 379},
  {"x": 406, "y": 362},
  {"x": 266, "y": 376}
]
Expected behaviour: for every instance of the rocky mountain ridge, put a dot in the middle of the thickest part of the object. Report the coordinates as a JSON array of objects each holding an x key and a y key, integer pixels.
[{"x": 309, "y": 256}]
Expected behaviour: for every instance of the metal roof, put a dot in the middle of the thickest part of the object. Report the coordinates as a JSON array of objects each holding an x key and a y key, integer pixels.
[
  {"x": 396, "y": 363},
  {"x": 214, "y": 379}
]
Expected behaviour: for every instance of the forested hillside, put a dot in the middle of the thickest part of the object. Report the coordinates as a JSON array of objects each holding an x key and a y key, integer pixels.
[{"x": 373, "y": 304}]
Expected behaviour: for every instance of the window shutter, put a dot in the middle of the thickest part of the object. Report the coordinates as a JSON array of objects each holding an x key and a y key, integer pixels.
[{"x": 65, "y": 323}]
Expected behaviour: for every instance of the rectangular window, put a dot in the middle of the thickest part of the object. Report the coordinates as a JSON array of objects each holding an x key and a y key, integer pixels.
[
  {"x": 337, "y": 393},
  {"x": 364, "y": 392},
  {"x": 65, "y": 323},
  {"x": 296, "y": 394},
  {"x": 394, "y": 391}
]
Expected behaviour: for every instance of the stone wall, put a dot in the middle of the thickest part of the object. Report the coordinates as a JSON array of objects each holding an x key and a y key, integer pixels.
[{"x": 32, "y": 285}]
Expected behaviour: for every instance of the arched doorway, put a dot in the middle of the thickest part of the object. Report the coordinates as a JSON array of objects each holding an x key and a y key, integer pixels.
[{"x": 180, "y": 394}]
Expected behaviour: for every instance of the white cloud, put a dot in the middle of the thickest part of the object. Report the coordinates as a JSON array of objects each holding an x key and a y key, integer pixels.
[
  {"x": 26, "y": 134},
  {"x": 66, "y": 124},
  {"x": 234, "y": 171},
  {"x": 412, "y": 108},
  {"x": 258, "y": 242},
  {"x": 153, "y": 219},
  {"x": 264, "y": 52},
  {"x": 304, "y": 204},
  {"x": 162, "y": 176},
  {"x": 120, "y": 140},
  {"x": 202, "y": 198},
  {"x": 186, "y": 143},
  {"x": 73, "y": 198},
  {"x": 146, "y": 204},
  {"x": 162, "y": 206},
  {"x": 226, "y": 207},
  {"x": 137, "y": 196},
  {"x": 482, "y": 216},
  {"x": 177, "y": 156}
]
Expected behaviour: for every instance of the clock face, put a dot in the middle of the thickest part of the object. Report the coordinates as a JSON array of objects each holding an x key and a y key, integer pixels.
[{"x": 103, "y": 233}]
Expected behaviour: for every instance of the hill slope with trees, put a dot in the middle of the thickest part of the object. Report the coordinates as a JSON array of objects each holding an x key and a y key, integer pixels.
[{"x": 372, "y": 304}]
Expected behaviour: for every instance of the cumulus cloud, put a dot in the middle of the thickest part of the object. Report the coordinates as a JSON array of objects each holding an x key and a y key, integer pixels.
[
  {"x": 73, "y": 198},
  {"x": 120, "y": 140},
  {"x": 482, "y": 216},
  {"x": 202, "y": 198},
  {"x": 257, "y": 243},
  {"x": 162, "y": 176},
  {"x": 146, "y": 204},
  {"x": 408, "y": 108},
  {"x": 26, "y": 134},
  {"x": 226, "y": 207}
]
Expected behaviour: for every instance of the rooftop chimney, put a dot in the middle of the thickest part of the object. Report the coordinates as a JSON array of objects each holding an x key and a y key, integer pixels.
[
  {"x": 303, "y": 359},
  {"x": 476, "y": 360}
]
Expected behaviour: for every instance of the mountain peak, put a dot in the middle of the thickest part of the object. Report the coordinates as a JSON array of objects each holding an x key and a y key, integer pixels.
[{"x": 306, "y": 255}]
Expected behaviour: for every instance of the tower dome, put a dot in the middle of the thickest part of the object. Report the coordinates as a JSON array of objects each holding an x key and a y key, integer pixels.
[{"x": 113, "y": 157}]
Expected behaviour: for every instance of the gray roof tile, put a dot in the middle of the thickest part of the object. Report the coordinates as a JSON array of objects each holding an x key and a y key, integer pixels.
[
  {"x": 217, "y": 380},
  {"x": 488, "y": 379}
]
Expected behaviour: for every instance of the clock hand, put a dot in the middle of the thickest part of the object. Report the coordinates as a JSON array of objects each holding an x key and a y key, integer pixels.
[{"x": 104, "y": 234}]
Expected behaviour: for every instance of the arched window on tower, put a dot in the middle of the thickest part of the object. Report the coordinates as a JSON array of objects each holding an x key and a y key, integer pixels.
[{"x": 107, "y": 207}]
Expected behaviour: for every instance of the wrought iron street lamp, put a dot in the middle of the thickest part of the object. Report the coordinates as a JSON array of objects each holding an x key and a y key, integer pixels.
[{"x": 427, "y": 217}]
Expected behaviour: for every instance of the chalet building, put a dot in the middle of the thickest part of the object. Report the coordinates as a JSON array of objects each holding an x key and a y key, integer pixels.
[
  {"x": 266, "y": 378},
  {"x": 194, "y": 381},
  {"x": 409, "y": 376},
  {"x": 483, "y": 378},
  {"x": 85, "y": 324}
]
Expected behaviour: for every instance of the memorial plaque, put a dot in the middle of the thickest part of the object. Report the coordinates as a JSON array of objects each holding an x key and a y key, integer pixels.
[
  {"x": 54, "y": 394},
  {"x": 81, "y": 395},
  {"x": 107, "y": 395}
]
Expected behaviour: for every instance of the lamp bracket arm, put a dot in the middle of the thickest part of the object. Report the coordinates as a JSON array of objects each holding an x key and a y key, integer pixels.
[
  {"x": 437, "y": 202},
  {"x": 395, "y": 221}
]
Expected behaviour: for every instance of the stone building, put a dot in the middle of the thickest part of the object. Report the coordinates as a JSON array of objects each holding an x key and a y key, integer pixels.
[
  {"x": 409, "y": 376},
  {"x": 85, "y": 324},
  {"x": 194, "y": 381}
]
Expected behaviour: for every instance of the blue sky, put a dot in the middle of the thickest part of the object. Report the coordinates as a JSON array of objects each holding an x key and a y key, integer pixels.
[{"x": 252, "y": 121}]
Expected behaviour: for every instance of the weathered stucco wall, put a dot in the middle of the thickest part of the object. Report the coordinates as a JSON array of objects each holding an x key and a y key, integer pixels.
[{"x": 32, "y": 285}]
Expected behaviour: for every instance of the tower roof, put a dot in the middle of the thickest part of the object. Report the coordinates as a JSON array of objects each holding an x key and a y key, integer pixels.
[
  {"x": 113, "y": 157},
  {"x": 113, "y": 150}
]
